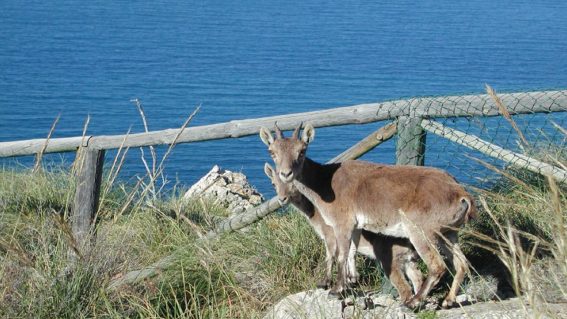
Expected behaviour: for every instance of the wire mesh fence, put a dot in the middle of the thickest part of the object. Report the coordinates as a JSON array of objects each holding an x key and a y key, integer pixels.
[{"x": 525, "y": 132}]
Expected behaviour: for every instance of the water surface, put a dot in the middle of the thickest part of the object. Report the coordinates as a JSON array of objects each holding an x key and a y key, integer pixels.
[{"x": 246, "y": 59}]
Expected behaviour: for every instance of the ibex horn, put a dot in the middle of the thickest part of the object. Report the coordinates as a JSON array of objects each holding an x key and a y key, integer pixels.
[
  {"x": 279, "y": 134},
  {"x": 296, "y": 131}
]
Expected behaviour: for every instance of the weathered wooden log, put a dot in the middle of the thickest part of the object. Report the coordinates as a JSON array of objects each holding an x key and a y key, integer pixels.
[
  {"x": 446, "y": 106},
  {"x": 245, "y": 219},
  {"x": 483, "y": 104},
  {"x": 410, "y": 146},
  {"x": 378, "y": 137},
  {"x": 30, "y": 147},
  {"x": 476, "y": 143},
  {"x": 85, "y": 204},
  {"x": 141, "y": 274}
]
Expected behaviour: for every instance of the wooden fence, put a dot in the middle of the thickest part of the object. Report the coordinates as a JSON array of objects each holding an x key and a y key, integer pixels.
[{"x": 412, "y": 119}]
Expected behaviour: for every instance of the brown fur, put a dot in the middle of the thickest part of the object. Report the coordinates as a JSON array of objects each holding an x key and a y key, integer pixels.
[
  {"x": 396, "y": 255},
  {"x": 422, "y": 204}
]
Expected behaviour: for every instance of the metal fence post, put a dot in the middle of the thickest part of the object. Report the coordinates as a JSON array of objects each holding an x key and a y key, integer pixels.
[
  {"x": 410, "y": 146},
  {"x": 85, "y": 205}
]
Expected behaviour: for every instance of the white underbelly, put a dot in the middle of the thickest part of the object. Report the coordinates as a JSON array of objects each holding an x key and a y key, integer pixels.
[
  {"x": 366, "y": 250},
  {"x": 396, "y": 230}
]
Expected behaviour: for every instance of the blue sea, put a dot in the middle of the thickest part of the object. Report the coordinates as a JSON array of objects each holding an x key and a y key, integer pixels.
[{"x": 247, "y": 59}]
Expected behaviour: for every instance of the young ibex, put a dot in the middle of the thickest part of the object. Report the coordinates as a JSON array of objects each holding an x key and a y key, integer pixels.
[
  {"x": 422, "y": 204},
  {"x": 395, "y": 254}
]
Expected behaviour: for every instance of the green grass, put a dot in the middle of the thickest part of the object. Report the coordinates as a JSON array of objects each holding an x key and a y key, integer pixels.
[
  {"x": 237, "y": 275},
  {"x": 428, "y": 314}
]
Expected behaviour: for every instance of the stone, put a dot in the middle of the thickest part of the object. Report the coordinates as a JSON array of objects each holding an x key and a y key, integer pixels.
[
  {"x": 226, "y": 188},
  {"x": 307, "y": 304},
  {"x": 318, "y": 304},
  {"x": 386, "y": 306},
  {"x": 465, "y": 299},
  {"x": 511, "y": 309}
]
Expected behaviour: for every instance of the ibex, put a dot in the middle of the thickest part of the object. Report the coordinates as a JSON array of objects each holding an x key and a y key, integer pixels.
[
  {"x": 422, "y": 204},
  {"x": 395, "y": 254}
]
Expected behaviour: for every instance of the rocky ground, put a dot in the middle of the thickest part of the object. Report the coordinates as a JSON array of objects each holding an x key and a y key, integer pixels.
[{"x": 318, "y": 304}]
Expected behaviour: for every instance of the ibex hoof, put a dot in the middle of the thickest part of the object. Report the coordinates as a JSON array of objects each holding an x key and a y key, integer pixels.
[
  {"x": 324, "y": 284},
  {"x": 338, "y": 294},
  {"x": 405, "y": 299},
  {"x": 414, "y": 304},
  {"x": 447, "y": 304}
]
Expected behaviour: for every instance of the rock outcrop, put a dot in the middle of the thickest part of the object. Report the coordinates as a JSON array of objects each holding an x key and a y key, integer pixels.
[
  {"x": 318, "y": 304},
  {"x": 226, "y": 188}
]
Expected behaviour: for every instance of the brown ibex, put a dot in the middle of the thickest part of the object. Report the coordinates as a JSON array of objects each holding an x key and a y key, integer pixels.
[
  {"x": 396, "y": 255},
  {"x": 422, "y": 204}
]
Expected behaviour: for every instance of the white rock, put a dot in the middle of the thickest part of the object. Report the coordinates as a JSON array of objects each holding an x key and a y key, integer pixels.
[
  {"x": 203, "y": 183},
  {"x": 307, "y": 304},
  {"x": 464, "y": 298},
  {"x": 226, "y": 188},
  {"x": 318, "y": 304}
]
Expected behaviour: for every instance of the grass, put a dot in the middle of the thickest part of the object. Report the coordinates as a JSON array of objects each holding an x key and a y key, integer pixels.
[
  {"x": 428, "y": 314},
  {"x": 522, "y": 233},
  {"x": 235, "y": 276}
]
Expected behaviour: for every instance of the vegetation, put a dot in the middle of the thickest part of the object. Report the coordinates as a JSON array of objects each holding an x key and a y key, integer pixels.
[{"x": 238, "y": 275}]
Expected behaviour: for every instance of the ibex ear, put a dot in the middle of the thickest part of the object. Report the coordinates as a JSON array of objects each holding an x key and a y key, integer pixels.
[
  {"x": 308, "y": 134},
  {"x": 266, "y": 136},
  {"x": 269, "y": 170}
]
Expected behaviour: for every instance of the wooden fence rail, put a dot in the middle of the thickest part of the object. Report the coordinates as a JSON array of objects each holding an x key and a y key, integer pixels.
[{"x": 432, "y": 107}]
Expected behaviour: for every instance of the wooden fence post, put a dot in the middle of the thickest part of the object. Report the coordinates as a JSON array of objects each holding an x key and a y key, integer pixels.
[
  {"x": 410, "y": 147},
  {"x": 85, "y": 205}
]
